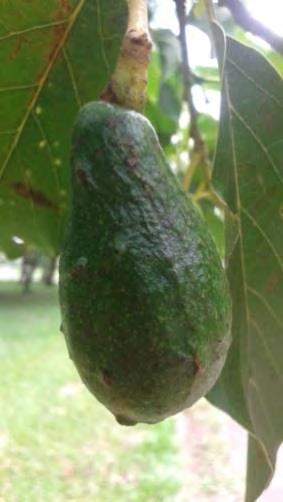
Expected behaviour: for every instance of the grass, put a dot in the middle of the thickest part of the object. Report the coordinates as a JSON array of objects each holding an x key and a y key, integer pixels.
[{"x": 57, "y": 443}]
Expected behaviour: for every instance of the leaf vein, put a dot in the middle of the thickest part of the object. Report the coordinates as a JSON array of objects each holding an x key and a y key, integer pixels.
[
  {"x": 46, "y": 26},
  {"x": 238, "y": 197},
  {"x": 72, "y": 78},
  {"x": 267, "y": 349},
  {"x": 12, "y": 131},
  {"x": 72, "y": 19},
  {"x": 254, "y": 135},
  {"x": 266, "y": 304},
  {"x": 17, "y": 88},
  {"x": 255, "y": 83},
  {"x": 264, "y": 235},
  {"x": 253, "y": 385}
]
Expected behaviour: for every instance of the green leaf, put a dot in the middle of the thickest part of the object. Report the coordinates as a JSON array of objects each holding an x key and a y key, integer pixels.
[
  {"x": 55, "y": 56},
  {"x": 248, "y": 172},
  {"x": 275, "y": 58},
  {"x": 258, "y": 470}
]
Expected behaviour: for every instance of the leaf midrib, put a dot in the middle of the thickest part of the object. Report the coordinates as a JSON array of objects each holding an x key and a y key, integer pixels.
[
  {"x": 239, "y": 208},
  {"x": 72, "y": 19}
]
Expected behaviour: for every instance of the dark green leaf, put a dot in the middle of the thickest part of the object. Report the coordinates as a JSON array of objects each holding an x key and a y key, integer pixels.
[
  {"x": 248, "y": 172},
  {"x": 273, "y": 57},
  {"x": 258, "y": 470},
  {"x": 55, "y": 56}
]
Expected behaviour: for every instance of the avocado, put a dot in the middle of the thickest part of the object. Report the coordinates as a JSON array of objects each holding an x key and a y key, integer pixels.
[{"x": 146, "y": 312}]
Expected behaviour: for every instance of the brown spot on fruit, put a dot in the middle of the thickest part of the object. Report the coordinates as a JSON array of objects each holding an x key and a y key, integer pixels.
[
  {"x": 113, "y": 122},
  {"x": 79, "y": 267},
  {"x": 81, "y": 176},
  {"x": 99, "y": 153},
  {"x": 107, "y": 377},
  {"x": 132, "y": 162},
  {"x": 197, "y": 364}
]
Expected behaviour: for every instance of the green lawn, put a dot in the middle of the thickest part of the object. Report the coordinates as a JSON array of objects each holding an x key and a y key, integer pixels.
[{"x": 57, "y": 443}]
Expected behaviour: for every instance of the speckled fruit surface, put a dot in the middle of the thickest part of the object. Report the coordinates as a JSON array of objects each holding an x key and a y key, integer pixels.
[{"x": 146, "y": 312}]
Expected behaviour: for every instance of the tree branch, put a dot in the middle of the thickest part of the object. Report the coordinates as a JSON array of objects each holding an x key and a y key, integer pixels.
[
  {"x": 244, "y": 19},
  {"x": 187, "y": 75},
  {"x": 199, "y": 157},
  {"x": 127, "y": 86}
]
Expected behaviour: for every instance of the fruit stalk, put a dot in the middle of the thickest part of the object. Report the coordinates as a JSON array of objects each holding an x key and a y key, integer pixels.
[{"x": 127, "y": 86}]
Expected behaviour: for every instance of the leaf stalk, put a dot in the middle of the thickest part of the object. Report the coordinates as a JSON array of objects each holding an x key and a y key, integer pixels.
[{"x": 128, "y": 83}]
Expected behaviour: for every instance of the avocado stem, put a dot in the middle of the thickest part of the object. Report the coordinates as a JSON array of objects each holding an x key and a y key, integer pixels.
[
  {"x": 138, "y": 18},
  {"x": 128, "y": 83}
]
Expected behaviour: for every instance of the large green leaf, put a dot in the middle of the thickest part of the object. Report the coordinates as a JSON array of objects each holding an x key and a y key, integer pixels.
[
  {"x": 55, "y": 55},
  {"x": 248, "y": 172}
]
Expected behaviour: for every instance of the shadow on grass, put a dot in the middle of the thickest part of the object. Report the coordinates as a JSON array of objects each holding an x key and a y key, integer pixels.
[{"x": 12, "y": 295}]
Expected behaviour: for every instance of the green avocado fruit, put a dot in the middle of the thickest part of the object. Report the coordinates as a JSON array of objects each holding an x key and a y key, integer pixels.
[{"x": 146, "y": 311}]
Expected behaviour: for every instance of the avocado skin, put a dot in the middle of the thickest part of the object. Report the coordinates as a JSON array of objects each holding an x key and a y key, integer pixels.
[{"x": 146, "y": 312}]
